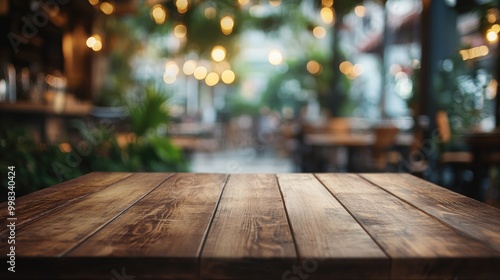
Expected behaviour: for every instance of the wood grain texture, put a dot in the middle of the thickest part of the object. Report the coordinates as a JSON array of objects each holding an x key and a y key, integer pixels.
[
  {"x": 64, "y": 228},
  {"x": 324, "y": 230},
  {"x": 253, "y": 226},
  {"x": 170, "y": 222},
  {"x": 419, "y": 246},
  {"x": 466, "y": 215},
  {"x": 36, "y": 204},
  {"x": 249, "y": 237}
]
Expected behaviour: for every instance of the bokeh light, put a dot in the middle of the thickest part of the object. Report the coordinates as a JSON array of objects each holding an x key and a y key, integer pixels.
[
  {"x": 228, "y": 77},
  {"x": 218, "y": 53},
  {"x": 189, "y": 67},
  {"x": 275, "y": 57},
  {"x": 212, "y": 79},
  {"x": 158, "y": 13},
  {"x": 200, "y": 72},
  {"x": 180, "y": 31}
]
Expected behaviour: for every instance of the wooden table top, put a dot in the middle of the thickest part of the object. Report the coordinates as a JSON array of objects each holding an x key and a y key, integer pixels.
[
  {"x": 251, "y": 226},
  {"x": 352, "y": 139}
]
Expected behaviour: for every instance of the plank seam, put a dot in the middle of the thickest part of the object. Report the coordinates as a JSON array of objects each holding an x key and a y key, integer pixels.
[
  {"x": 113, "y": 218},
  {"x": 459, "y": 232},
  {"x": 290, "y": 227},
  {"x": 354, "y": 217},
  {"x": 207, "y": 230},
  {"x": 26, "y": 223}
]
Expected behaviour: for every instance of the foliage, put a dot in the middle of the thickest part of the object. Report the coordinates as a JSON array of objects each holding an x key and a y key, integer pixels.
[
  {"x": 98, "y": 149},
  {"x": 148, "y": 114},
  {"x": 462, "y": 87},
  {"x": 32, "y": 161}
]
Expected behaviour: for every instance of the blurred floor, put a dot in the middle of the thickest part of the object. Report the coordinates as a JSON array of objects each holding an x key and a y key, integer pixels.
[{"x": 240, "y": 161}]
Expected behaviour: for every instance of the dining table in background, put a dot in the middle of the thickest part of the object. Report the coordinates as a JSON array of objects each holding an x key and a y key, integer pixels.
[
  {"x": 485, "y": 148},
  {"x": 251, "y": 226},
  {"x": 353, "y": 142}
]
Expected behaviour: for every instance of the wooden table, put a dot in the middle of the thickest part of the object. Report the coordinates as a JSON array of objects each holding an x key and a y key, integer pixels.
[
  {"x": 252, "y": 226},
  {"x": 352, "y": 142},
  {"x": 485, "y": 147},
  {"x": 49, "y": 122},
  {"x": 352, "y": 139}
]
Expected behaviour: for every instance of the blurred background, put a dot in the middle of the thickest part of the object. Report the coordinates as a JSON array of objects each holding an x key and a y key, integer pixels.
[{"x": 251, "y": 86}]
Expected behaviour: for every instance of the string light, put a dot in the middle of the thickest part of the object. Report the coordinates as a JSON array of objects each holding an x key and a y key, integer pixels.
[
  {"x": 327, "y": 15},
  {"x": 474, "y": 52},
  {"x": 107, "y": 8},
  {"x": 314, "y": 67},
  {"x": 360, "y": 11},
  {"x": 275, "y": 57},
  {"x": 159, "y": 14},
  {"x": 182, "y": 6},
  {"x": 228, "y": 77},
  {"x": 189, "y": 67},
  {"x": 180, "y": 31},
  {"x": 319, "y": 32},
  {"x": 218, "y": 53},
  {"x": 275, "y": 3},
  {"x": 200, "y": 72},
  {"x": 227, "y": 25},
  {"x": 94, "y": 42},
  {"x": 212, "y": 79},
  {"x": 327, "y": 3}
]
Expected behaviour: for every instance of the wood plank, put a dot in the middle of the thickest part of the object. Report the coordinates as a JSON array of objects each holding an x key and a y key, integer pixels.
[
  {"x": 326, "y": 233},
  {"x": 420, "y": 246},
  {"x": 167, "y": 226},
  {"x": 36, "y": 204},
  {"x": 466, "y": 215},
  {"x": 55, "y": 234},
  {"x": 249, "y": 237}
]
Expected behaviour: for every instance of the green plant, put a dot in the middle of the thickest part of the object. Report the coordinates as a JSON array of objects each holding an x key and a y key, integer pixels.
[
  {"x": 150, "y": 112},
  {"x": 32, "y": 161}
]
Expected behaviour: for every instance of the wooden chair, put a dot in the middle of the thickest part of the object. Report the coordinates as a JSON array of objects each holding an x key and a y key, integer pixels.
[
  {"x": 458, "y": 159},
  {"x": 385, "y": 137},
  {"x": 339, "y": 125}
]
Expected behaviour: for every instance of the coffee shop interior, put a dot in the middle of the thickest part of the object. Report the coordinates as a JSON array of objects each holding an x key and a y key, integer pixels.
[{"x": 242, "y": 86}]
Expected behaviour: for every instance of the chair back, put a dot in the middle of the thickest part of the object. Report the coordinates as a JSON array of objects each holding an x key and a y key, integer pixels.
[
  {"x": 443, "y": 126},
  {"x": 385, "y": 136},
  {"x": 339, "y": 125}
]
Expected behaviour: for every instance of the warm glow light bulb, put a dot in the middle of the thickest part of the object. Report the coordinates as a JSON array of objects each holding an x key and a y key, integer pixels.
[
  {"x": 93, "y": 2},
  {"x": 227, "y": 25},
  {"x": 275, "y": 57},
  {"x": 327, "y": 15},
  {"x": 228, "y": 77},
  {"x": 491, "y": 36},
  {"x": 345, "y": 67},
  {"x": 200, "y": 72},
  {"x": 180, "y": 31},
  {"x": 182, "y": 6},
  {"x": 158, "y": 13},
  {"x": 212, "y": 79},
  {"x": 275, "y": 3},
  {"x": 189, "y": 67},
  {"x": 91, "y": 41},
  {"x": 210, "y": 12},
  {"x": 319, "y": 32},
  {"x": 360, "y": 11},
  {"x": 97, "y": 46},
  {"x": 107, "y": 8},
  {"x": 314, "y": 67},
  {"x": 218, "y": 53},
  {"x": 327, "y": 3}
]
